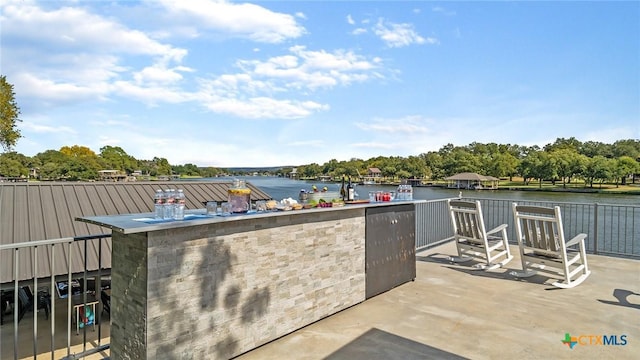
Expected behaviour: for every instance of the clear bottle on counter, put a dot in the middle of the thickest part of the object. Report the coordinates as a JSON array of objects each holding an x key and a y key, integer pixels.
[
  {"x": 169, "y": 203},
  {"x": 180, "y": 201},
  {"x": 158, "y": 201},
  {"x": 239, "y": 197},
  {"x": 405, "y": 192}
]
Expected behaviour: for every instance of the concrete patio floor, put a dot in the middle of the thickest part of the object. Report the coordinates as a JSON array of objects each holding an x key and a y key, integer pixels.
[
  {"x": 453, "y": 311},
  {"x": 450, "y": 311}
]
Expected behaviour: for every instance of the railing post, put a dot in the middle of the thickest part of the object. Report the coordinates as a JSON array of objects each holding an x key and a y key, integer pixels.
[
  {"x": 53, "y": 300},
  {"x": 595, "y": 229},
  {"x": 35, "y": 301},
  {"x": 15, "y": 302}
]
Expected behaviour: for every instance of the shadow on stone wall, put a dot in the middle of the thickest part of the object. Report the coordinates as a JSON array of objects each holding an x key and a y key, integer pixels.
[{"x": 213, "y": 269}]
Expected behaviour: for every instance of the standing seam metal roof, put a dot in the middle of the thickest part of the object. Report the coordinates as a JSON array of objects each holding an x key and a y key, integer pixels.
[{"x": 41, "y": 211}]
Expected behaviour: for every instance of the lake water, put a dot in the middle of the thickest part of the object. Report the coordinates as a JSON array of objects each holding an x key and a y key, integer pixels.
[{"x": 280, "y": 188}]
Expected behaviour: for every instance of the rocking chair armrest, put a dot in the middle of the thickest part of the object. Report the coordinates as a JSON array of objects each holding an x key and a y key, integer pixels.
[
  {"x": 497, "y": 229},
  {"x": 577, "y": 239}
]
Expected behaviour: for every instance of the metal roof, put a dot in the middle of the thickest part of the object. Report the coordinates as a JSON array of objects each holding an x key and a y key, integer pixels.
[
  {"x": 468, "y": 176},
  {"x": 46, "y": 210}
]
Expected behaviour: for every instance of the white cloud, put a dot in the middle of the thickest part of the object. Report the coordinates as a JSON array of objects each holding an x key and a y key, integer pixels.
[
  {"x": 73, "y": 29},
  {"x": 350, "y": 20},
  {"x": 441, "y": 10},
  {"x": 159, "y": 74},
  {"x": 359, "y": 31},
  {"x": 241, "y": 20},
  {"x": 374, "y": 145},
  {"x": 413, "y": 124},
  {"x": 48, "y": 91},
  {"x": 151, "y": 95},
  {"x": 74, "y": 55},
  {"x": 399, "y": 35},
  {"x": 90, "y": 50},
  {"x": 39, "y": 128},
  {"x": 318, "y": 69},
  {"x": 264, "y": 108},
  {"x": 270, "y": 88}
]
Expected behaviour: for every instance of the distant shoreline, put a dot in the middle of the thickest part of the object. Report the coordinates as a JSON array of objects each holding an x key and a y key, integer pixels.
[{"x": 626, "y": 190}]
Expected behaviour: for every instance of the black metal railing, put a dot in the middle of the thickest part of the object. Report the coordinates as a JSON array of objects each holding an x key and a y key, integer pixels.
[
  {"x": 52, "y": 251},
  {"x": 612, "y": 230}
]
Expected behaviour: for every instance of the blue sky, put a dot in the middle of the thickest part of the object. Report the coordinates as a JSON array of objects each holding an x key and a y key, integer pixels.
[{"x": 267, "y": 83}]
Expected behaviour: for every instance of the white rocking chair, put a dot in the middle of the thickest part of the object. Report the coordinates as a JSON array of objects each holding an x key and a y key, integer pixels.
[
  {"x": 473, "y": 241},
  {"x": 543, "y": 247}
]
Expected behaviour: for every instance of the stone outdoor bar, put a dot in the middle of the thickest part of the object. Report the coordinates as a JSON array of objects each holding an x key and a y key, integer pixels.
[{"x": 217, "y": 287}]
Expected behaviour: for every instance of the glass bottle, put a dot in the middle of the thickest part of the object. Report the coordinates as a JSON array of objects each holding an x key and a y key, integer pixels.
[
  {"x": 343, "y": 191},
  {"x": 351, "y": 191}
]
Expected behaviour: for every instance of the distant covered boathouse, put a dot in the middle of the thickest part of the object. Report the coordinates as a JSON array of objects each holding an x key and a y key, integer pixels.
[{"x": 472, "y": 181}]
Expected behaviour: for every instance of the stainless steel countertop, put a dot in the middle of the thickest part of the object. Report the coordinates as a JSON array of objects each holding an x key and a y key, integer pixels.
[{"x": 145, "y": 222}]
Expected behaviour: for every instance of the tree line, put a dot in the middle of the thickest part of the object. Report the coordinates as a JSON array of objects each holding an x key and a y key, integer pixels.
[
  {"x": 563, "y": 161},
  {"x": 79, "y": 163}
]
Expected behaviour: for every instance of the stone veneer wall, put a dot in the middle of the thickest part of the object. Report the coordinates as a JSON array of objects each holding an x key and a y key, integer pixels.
[
  {"x": 128, "y": 313},
  {"x": 219, "y": 290}
]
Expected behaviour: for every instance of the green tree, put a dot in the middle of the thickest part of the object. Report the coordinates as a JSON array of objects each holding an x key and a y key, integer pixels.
[
  {"x": 51, "y": 164},
  {"x": 161, "y": 166},
  {"x": 433, "y": 163},
  {"x": 414, "y": 167},
  {"x": 503, "y": 164},
  {"x": 598, "y": 168},
  {"x": 460, "y": 160},
  {"x": 547, "y": 168},
  {"x": 89, "y": 162},
  {"x": 9, "y": 112},
  {"x": 538, "y": 165},
  {"x": 571, "y": 144},
  {"x": 50, "y": 171},
  {"x": 10, "y": 167},
  {"x": 191, "y": 170},
  {"x": 75, "y": 169},
  {"x": 629, "y": 147},
  {"x": 625, "y": 166},
  {"x": 14, "y": 164},
  {"x": 594, "y": 148},
  {"x": 329, "y": 167},
  {"x": 310, "y": 171},
  {"x": 115, "y": 158},
  {"x": 210, "y": 171},
  {"x": 567, "y": 162}
]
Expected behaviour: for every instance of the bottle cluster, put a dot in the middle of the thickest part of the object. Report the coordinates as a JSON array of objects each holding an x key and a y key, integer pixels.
[
  {"x": 347, "y": 193},
  {"x": 169, "y": 204}
]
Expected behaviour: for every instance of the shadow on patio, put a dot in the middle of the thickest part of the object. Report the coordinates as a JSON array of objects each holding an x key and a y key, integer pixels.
[{"x": 455, "y": 311}]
